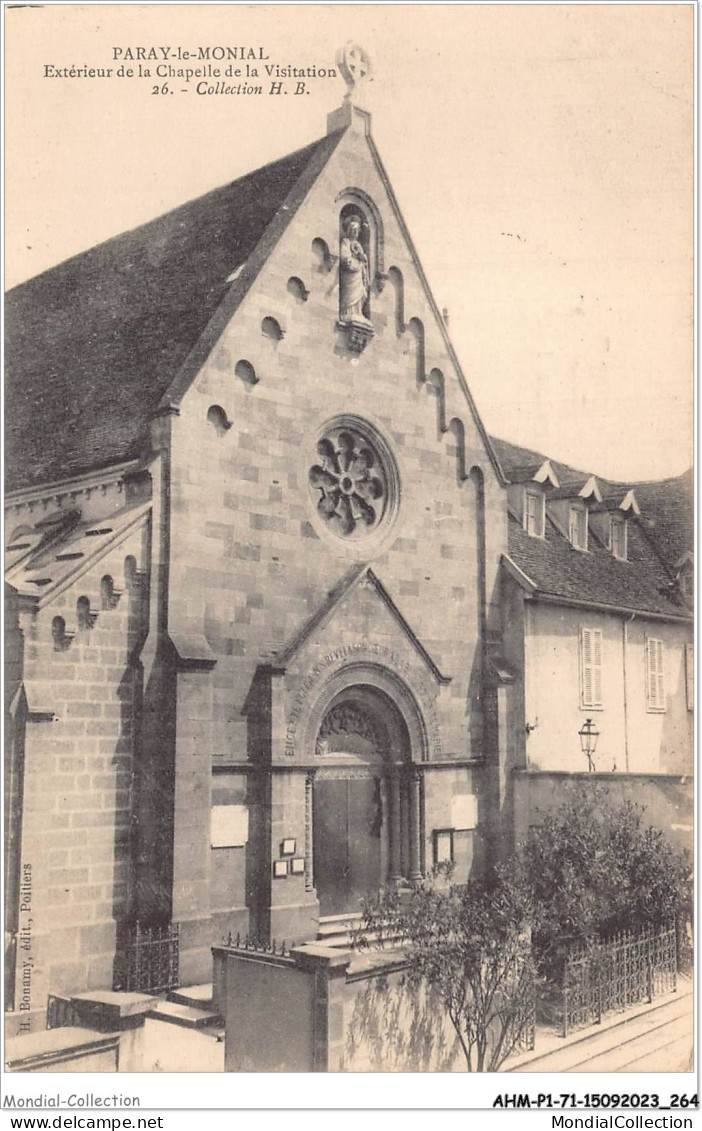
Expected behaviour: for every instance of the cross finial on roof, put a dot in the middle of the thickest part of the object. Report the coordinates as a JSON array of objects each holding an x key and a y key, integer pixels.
[
  {"x": 356, "y": 69},
  {"x": 355, "y": 66}
]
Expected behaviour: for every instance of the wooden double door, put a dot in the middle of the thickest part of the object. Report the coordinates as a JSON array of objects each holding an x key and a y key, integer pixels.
[{"x": 348, "y": 840}]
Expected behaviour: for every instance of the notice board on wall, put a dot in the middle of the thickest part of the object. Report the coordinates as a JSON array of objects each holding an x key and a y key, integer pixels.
[{"x": 230, "y": 826}]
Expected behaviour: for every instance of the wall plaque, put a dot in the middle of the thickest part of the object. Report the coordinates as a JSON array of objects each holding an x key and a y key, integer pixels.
[{"x": 230, "y": 826}]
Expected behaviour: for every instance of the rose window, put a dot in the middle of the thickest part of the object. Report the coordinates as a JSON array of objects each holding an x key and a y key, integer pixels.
[{"x": 349, "y": 482}]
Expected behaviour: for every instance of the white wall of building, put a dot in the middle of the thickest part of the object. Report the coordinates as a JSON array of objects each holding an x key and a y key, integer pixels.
[{"x": 633, "y": 737}]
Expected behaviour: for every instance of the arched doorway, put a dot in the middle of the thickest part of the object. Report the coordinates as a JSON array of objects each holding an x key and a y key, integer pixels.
[{"x": 360, "y": 817}]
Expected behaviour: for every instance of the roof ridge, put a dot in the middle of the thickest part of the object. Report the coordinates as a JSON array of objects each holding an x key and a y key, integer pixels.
[{"x": 531, "y": 454}]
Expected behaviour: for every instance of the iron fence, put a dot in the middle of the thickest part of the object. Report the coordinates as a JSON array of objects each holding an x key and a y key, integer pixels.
[
  {"x": 148, "y": 958},
  {"x": 685, "y": 946},
  {"x": 261, "y": 946},
  {"x": 613, "y": 975}
]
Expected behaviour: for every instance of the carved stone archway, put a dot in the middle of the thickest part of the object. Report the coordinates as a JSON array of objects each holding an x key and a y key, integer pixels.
[{"x": 379, "y": 681}]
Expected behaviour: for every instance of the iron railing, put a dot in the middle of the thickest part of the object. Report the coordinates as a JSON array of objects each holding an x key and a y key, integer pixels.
[
  {"x": 613, "y": 975},
  {"x": 148, "y": 958},
  {"x": 260, "y": 946}
]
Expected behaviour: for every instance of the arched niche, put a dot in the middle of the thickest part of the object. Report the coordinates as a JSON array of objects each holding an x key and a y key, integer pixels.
[
  {"x": 131, "y": 573},
  {"x": 436, "y": 385},
  {"x": 355, "y": 267},
  {"x": 355, "y": 199},
  {"x": 245, "y": 371},
  {"x": 297, "y": 289},
  {"x": 322, "y": 258},
  {"x": 61, "y": 637},
  {"x": 109, "y": 594},
  {"x": 217, "y": 417},
  {"x": 457, "y": 430},
  {"x": 272, "y": 329},
  {"x": 477, "y": 482},
  {"x": 397, "y": 284},
  {"x": 415, "y": 330},
  {"x": 84, "y": 614}
]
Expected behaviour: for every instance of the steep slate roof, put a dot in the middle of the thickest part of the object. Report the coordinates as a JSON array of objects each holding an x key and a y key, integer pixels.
[
  {"x": 654, "y": 543},
  {"x": 597, "y": 576},
  {"x": 667, "y": 509},
  {"x": 514, "y": 459},
  {"x": 93, "y": 344}
]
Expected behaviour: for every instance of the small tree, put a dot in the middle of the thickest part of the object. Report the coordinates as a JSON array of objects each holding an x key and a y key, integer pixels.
[
  {"x": 594, "y": 868},
  {"x": 471, "y": 946}
]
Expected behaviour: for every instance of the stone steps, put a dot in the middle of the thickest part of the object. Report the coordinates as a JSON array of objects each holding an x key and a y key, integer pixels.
[
  {"x": 198, "y": 997},
  {"x": 187, "y": 1016},
  {"x": 194, "y": 1040},
  {"x": 338, "y": 930},
  {"x": 331, "y": 924},
  {"x": 341, "y": 931}
]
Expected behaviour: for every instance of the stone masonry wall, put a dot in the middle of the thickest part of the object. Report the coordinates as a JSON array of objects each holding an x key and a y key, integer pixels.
[
  {"x": 83, "y": 698},
  {"x": 249, "y": 562}
]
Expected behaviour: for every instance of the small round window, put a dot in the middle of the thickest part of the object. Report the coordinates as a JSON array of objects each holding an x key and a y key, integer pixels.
[{"x": 352, "y": 480}]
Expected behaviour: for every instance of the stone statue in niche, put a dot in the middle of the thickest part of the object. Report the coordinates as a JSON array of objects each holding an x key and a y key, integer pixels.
[{"x": 354, "y": 274}]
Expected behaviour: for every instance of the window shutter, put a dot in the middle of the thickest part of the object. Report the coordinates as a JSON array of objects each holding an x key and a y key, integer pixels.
[
  {"x": 651, "y": 682},
  {"x": 618, "y": 538},
  {"x": 531, "y": 513},
  {"x": 586, "y": 667},
  {"x": 655, "y": 682},
  {"x": 596, "y": 668},
  {"x": 578, "y": 528},
  {"x": 591, "y": 667},
  {"x": 660, "y": 691},
  {"x": 534, "y": 511}
]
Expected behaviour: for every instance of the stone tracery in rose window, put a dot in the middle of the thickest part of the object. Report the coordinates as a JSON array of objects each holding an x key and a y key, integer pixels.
[{"x": 349, "y": 482}]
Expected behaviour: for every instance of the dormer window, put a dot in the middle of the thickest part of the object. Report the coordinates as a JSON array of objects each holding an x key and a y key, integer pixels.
[
  {"x": 534, "y": 513},
  {"x": 578, "y": 528},
  {"x": 617, "y": 537}
]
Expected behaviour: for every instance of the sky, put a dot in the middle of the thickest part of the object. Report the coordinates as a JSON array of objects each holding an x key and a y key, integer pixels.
[{"x": 541, "y": 156}]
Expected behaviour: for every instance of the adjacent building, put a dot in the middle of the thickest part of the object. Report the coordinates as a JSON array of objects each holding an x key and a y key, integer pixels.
[{"x": 597, "y": 621}]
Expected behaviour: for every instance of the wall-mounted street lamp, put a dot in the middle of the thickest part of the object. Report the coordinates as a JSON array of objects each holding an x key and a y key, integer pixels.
[{"x": 589, "y": 734}]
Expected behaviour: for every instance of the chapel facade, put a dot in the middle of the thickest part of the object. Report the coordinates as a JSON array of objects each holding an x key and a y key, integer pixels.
[
  {"x": 255, "y": 605},
  {"x": 253, "y": 644}
]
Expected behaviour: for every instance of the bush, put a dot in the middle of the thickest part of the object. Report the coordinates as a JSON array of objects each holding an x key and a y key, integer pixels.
[
  {"x": 487, "y": 948},
  {"x": 595, "y": 868},
  {"x": 471, "y": 946}
]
